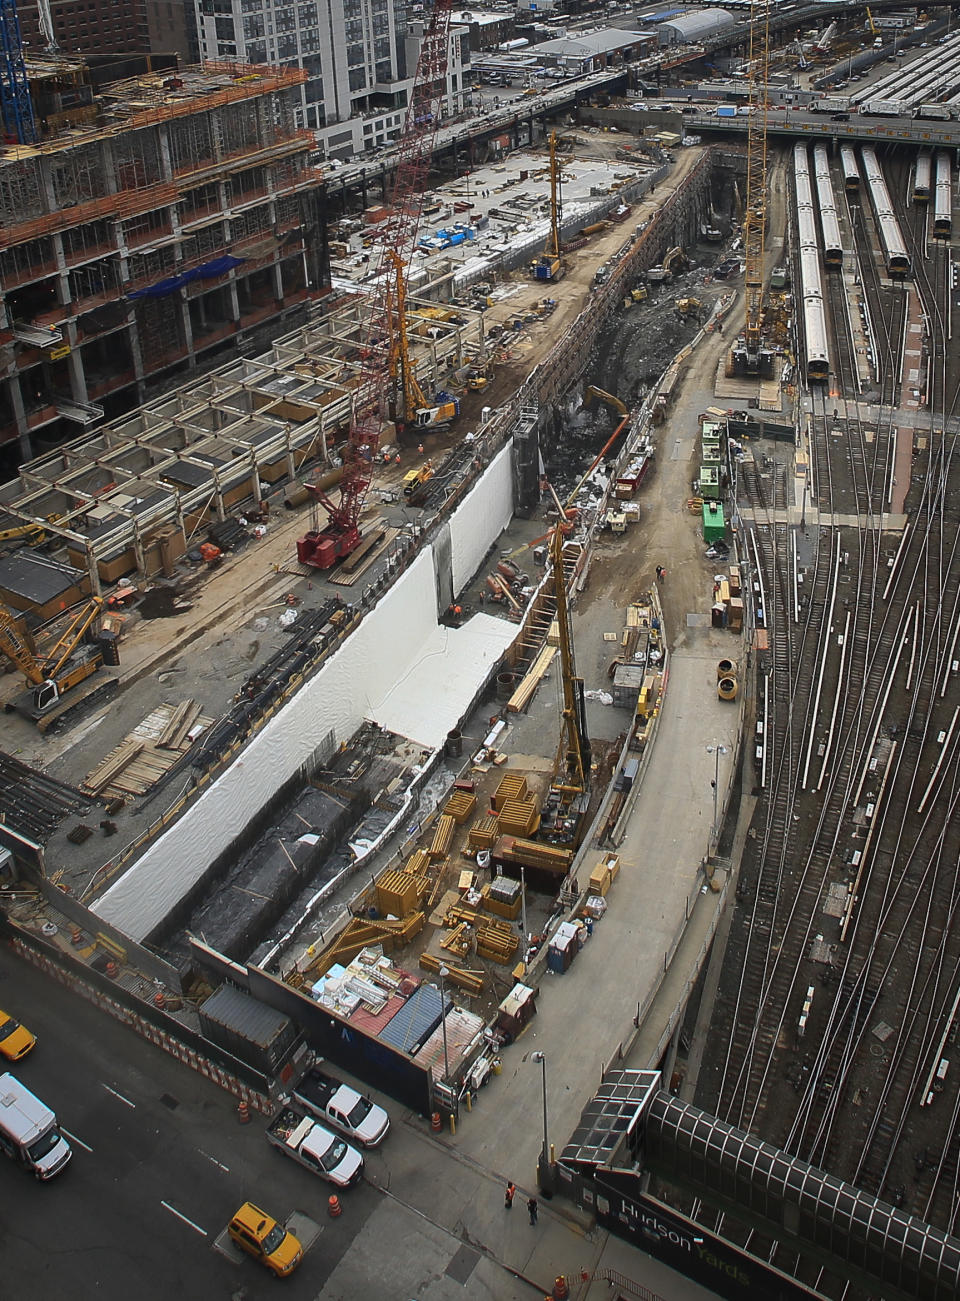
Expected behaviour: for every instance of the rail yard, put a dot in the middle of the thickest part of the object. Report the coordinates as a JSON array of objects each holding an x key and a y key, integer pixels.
[{"x": 429, "y": 777}]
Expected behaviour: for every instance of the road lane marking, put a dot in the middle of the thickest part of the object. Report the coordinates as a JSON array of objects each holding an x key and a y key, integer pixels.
[
  {"x": 118, "y": 1095},
  {"x": 173, "y": 1211},
  {"x": 214, "y": 1160},
  {"x": 73, "y": 1139}
]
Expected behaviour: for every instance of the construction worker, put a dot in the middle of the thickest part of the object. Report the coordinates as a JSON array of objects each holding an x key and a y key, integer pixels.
[
  {"x": 397, "y": 458},
  {"x": 420, "y": 448}
]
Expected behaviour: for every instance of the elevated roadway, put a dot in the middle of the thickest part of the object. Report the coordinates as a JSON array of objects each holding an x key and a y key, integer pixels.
[{"x": 799, "y": 124}]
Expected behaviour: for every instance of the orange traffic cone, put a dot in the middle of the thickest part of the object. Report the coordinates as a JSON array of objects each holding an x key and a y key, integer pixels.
[
  {"x": 243, "y": 1112},
  {"x": 436, "y": 1124},
  {"x": 333, "y": 1207}
]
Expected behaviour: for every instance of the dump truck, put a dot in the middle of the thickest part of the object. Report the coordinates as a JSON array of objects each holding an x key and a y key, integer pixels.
[
  {"x": 330, "y": 1100},
  {"x": 302, "y": 1138}
]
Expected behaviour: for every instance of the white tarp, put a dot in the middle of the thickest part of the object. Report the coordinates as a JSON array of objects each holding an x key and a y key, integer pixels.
[
  {"x": 432, "y": 697},
  {"x": 477, "y": 523},
  {"x": 399, "y": 668},
  {"x": 337, "y": 699}
]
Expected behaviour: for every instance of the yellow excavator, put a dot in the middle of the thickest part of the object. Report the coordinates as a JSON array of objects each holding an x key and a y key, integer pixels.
[
  {"x": 594, "y": 394},
  {"x": 59, "y": 671}
]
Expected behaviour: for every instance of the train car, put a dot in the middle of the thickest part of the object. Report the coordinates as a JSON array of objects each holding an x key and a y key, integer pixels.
[
  {"x": 814, "y": 316},
  {"x": 943, "y": 197},
  {"x": 829, "y": 221},
  {"x": 894, "y": 250},
  {"x": 811, "y": 284},
  {"x": 851, "y": 172},
  {"x": 921, "y": 178}
]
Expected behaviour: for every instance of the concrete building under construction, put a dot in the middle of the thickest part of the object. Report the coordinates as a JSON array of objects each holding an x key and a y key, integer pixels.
[{"x": 158, "y": 222}]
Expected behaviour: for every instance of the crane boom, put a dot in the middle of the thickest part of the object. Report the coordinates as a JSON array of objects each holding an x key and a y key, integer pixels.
[{"x": 395, "y": 241}]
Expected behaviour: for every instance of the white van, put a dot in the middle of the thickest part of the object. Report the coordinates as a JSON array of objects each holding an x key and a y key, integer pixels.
[{"x": 29, "y": 1133}]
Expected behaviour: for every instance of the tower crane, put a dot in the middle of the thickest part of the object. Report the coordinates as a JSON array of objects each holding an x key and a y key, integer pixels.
[
  {"x": 321, "y": 548},
  {"x": 749, "y": 356},
  {"x": 16, "y": 106}
]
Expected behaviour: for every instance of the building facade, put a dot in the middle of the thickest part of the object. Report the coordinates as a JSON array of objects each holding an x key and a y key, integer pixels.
[
  {"x": 358, "y": 56},
  {"x": 159, "y": 224}
]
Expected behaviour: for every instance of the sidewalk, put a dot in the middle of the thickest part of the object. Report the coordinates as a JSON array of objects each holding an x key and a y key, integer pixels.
[{"x": 445, "y": 1234}]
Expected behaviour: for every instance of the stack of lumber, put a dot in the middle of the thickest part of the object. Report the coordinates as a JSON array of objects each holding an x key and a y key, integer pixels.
[
  {"x": 442, "y": 837},
  {"x": 401, "y": 892},
  {"x": 148, "y": 752},
  {"x": 460, "y": 806},
  {"x": 603, "y": 874},
  {"x": 519, "y": 818},
  {"x": 512, "y": 786},
  {"x": 360, "y": 932},
  {"x": 531, "y": 680},
  {"x": 496, "y": 939},
  {"x": 471, "y": 982},
  {"x": 483, "y": 833},
  {"x": 417, "y": 863},
  {"x": 532, "y": 853}
]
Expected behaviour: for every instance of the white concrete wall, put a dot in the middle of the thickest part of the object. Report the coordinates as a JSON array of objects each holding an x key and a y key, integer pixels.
[
  {"x": 398, "y": 668},
  {"x": 481, "y": 517}
]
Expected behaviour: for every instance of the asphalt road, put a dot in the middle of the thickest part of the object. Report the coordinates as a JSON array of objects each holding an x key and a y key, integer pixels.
[{"x": 160, "y": 1164}]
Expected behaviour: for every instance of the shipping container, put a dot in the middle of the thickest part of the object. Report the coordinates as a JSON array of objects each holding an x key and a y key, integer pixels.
[{"x": 248, "y": 1029}]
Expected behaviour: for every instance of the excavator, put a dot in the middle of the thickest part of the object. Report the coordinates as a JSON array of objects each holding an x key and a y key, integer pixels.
[
  {"x": 59, "y": 672},
  {"x": 594, "y": 394},
  {"x": 673, "y": 260}
]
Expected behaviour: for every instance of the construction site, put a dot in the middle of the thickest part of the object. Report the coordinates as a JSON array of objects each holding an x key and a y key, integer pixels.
[
  {"x": 149, "y": 225},
  {"x": 399, "y": 675}
]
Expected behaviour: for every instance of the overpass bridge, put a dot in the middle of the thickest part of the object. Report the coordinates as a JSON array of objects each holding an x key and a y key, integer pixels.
[{"x": 799, "y": 124}]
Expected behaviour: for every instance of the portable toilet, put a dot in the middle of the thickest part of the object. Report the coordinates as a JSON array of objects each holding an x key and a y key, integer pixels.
[
  {"x": 714, "y": 525},
  {"x": 709, "y": 482}
]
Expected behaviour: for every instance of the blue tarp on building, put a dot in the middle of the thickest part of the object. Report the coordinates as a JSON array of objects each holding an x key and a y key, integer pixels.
[{"x": 208, "y": 271}]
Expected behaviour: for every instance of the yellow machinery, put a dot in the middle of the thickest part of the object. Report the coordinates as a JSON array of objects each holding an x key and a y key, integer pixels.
[
  {"x": 59, "y": 670},
  {"x": 689, "y": 306},
  {"x": 871, "y": 24},
  {"x": 417, "y": 411},
  {"x": 414, "y": 481},
  {"x": 565, "y": 809},
  {"x": 601, "y": 395},
  {"x": 549, "y": 265},
  {"x": 749, "y": 356}
]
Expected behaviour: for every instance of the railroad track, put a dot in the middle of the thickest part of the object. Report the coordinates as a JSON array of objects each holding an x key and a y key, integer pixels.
[{"x": 843, "y": 981}]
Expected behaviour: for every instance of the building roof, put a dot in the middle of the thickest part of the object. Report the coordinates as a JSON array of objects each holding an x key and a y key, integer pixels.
[
  {"x": 589, "y": 44},
  {"x": 699, "y": 25},
  {"x": 479, "y": 17}
]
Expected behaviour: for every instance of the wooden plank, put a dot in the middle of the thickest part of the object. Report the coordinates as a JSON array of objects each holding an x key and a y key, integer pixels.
[
  {"x": 531, "y": 680},
  {"x": 344, "y": 577}
]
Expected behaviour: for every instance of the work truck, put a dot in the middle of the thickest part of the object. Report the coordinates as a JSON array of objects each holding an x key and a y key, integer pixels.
[
  {"x": 298, "y": 1135},
  {"x": 330, "y": 1100},
  {"x": 29, "y": 1133}
]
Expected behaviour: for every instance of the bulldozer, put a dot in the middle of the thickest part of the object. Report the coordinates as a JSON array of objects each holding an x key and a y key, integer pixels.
[{"x": 689, "y": 307}]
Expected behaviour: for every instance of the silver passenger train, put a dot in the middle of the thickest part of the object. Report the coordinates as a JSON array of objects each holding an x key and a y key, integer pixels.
[
  {"x": 811, "y": 283},
  {"x": 943, "y": 197},
  {"x": 829, "y": 221},
  {"x": 894, "y": 250},
  {"x": 921, "y": 177}
]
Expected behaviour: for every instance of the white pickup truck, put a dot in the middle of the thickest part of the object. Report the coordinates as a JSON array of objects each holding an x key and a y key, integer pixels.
[
  {"x": 301, "y": 1137},
  {"x": 347, "y": 1110}
]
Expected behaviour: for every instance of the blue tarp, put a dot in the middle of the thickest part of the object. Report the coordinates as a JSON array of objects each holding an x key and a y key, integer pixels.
[{"x": 208, "y": 271}]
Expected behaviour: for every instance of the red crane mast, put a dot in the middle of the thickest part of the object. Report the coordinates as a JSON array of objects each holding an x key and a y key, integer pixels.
[{"x": 322, "y": 548}]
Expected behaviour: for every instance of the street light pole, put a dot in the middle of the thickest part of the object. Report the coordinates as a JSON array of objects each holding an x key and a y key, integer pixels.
[
  {"x": 716, "y": 750},
  {"x": 444, "y": 971},
  {"x": 546, "y": 1183}
]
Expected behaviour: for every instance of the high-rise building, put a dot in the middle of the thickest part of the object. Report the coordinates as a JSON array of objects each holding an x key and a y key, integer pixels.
[
  {"x": 113, "y": 27},
  {"x": 358, "y": 57},
  {"x": 163, "y": 221}
]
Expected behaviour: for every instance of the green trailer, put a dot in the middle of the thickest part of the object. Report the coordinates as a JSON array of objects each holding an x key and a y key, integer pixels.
[
  {"x": 710, "y": 482},
  {"x": 714, "y": 525}
]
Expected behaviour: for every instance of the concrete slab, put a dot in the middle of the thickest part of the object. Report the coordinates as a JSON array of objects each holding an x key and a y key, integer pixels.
[{"x": 304, "y": 1229}]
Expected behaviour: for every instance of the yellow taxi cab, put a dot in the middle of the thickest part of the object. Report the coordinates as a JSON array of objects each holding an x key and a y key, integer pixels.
[
  {"x": 257, "y": 1233},
  {"x": 15, "y": 1039}
]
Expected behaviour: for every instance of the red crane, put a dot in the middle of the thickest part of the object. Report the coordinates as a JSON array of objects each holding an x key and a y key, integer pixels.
[{"x": 322, "y": 548}]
